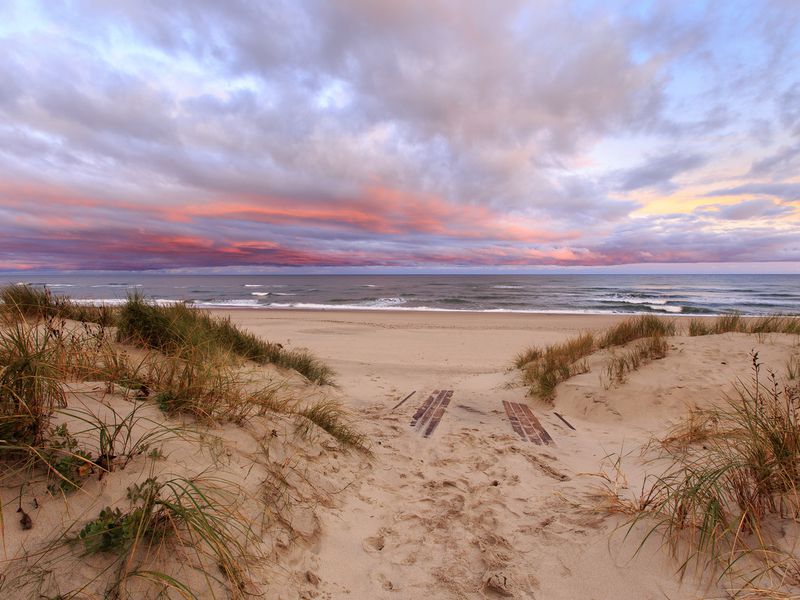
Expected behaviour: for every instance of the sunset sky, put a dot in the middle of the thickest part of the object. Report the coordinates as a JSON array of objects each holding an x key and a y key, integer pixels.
[{"x": 404, "y": 135}]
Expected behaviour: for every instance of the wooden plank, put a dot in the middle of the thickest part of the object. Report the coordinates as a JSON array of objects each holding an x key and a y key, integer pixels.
[
  {"x": 527, "y": 426},
  {"x": 423, "y": 408},
  {"x": 512, "y": 417},
  {"x": 439, "y": 412},
  {"x": 431, "y": 410},
  {"x": 399, "y": 404},
  {"x": 545, "y": 437},
  {"x": 567, "y": 423}
]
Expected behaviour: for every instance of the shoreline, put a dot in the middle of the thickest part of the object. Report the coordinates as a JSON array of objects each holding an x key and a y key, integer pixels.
[{"x": 222, "y": 307}]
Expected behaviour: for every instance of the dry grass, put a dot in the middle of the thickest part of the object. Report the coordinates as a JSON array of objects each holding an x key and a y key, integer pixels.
[
  {"x": 209, "y": 388},
  {"x": 178, "y": 329},
  {"x": 174, "y": 532},
  {"x": 641, "y": 353},
  {"x": 557, "y": 363},
  {"x": 737, "y": 324},
  {"x": 544, "y": 368},
  {"x": 41, "y": 303},
  {"x": 30, "y": 383},
  {"x": 331, "y": 417},
  {"x": 629, "y": 330},
  {"x": 721, "y": 502}
]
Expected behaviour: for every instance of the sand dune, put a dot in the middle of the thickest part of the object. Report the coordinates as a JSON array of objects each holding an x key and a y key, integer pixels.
[
  {"x": 463, "y": 505},
  {"x": 474, "y": 510}
]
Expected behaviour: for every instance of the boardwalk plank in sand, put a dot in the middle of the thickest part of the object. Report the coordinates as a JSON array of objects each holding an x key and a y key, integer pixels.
[
  {"x": 430, "y": 413},
  {"x": 525, "y": 424}
]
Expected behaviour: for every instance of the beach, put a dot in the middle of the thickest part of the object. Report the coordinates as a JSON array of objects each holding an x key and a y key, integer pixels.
[
  {"x": 473, "y": 510},
  {"x": 378, "y": 454}
]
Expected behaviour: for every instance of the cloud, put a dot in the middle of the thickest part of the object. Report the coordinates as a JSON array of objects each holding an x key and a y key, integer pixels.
[
  {"x": 783, "y": 162},
  {"x": 787, "y": 192},
  {"x": 747, "y": 210},
  {"x": 378, "y": 132},
  {"x": 658, "y": 171}
]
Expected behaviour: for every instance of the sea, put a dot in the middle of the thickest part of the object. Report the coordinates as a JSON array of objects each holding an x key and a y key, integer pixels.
[{"x": 588, "y": 294}]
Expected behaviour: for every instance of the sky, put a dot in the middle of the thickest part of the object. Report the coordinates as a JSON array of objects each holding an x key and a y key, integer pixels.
[{"x": 422, "y": 135}]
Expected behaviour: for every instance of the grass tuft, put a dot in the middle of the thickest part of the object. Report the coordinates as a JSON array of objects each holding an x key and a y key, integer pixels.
[
  {"x": 37, "y": 303},
  {"x": 544, "y": 368},
  {"x": 182, "y": 513},
  {"x": 641, "y": 353},
  {"x": 735, "y": 323},
  {"x": 629, "y": 330},
  {"x": 30, "y": 386},
  {"x": 330, "y": 416},
  {"x": 735, "y": 469},
  {"x": 178, "y": 329}
]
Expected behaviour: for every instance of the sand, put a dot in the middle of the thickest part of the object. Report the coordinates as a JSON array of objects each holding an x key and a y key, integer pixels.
[{"x": 471, "y": 511}]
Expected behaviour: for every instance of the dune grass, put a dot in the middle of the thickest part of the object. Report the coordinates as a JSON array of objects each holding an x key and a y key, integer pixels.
[
  {"x": 735, "y": 473},
  {"x": 330, "y": 416},
  {"x": 190, "y": 522},
  {"x": 544, "y": 368},
  {"x": 30, "y": 385},
  {"x": 208, "y": 387},
  {"x": 735, "y": 323},
  {"x": 29, "y": 301},
  {"x": 636, "y": 328},
  {"x": 177, "y": 537},
  {"x": 642, "y": 352},
  {"x": 176, "y": 329}
]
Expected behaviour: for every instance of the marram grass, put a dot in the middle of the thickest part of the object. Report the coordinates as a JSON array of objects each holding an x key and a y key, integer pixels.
[
  {"x": 734, "y": 478},
  {"x": 177, "y": 329},
  {"x": 544, "y": 368}
]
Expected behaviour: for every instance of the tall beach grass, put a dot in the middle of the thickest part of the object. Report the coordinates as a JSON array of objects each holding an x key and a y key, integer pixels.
[
  {"x": 734, "y": 478},
  {"x": 544, "y": 368},
  {"x": 177, "y": 329}
]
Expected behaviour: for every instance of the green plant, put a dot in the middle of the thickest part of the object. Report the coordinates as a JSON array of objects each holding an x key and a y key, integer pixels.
[
  {"x": 330, "y": 416},
  {"x": 714, "y": 503},
  {"x": 178, "y": 329},
  {"x": 121, "y": 438},
  {"x": 29, "y": 301},
  {"x": 63, "y": 458},
  {"x": 642, "y": 352},
  {"x": 175, "y": 512},
  {"x": 30, "y": 387}
]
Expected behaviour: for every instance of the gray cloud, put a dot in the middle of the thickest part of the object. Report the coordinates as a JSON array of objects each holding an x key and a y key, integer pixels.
[
  {"x": 782, "y": 163},
  {"x": 787, "y": 192},
  {"x": 747, "y": 209},
  {"x": 302, "y": 103},
  {"x": 658, "y": 171}
]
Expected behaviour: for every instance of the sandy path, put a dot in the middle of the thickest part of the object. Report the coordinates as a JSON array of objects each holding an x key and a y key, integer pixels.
[{"x": 473, "y": 510}]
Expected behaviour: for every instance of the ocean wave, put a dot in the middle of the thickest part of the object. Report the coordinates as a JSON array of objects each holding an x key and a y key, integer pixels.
[
  {"x": 121, "y": 301},
  {"x": 260, "y": 293},
  {"x": 117, "y": 285},
  {"x": 239, "y": 303},
  {"x": 633, "y": 299},
  {"x": 384, "y": 302},
  {"x": 508, "y": 287},
  {"x": 663, "y": 308}
]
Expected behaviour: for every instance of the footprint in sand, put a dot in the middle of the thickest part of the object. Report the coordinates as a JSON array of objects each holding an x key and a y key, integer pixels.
[{"x": 376, "y": 542}]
